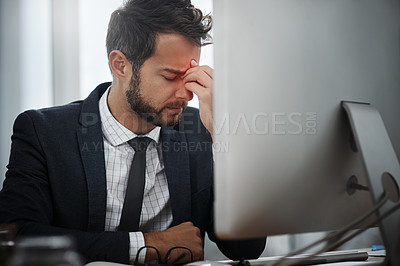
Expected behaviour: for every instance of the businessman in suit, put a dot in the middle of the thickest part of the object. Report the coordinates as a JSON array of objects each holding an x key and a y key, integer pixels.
[{"x": 70, "y": 166}]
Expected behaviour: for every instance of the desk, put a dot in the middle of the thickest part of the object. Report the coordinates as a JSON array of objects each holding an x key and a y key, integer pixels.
[
  {"x": 348, "y": 258},
  {"x": 371, "y": 261}
]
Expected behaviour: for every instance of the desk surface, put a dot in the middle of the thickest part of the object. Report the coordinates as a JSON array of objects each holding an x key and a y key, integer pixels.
[
  {"x": 374, "y": 259},
  {"x": 347, "y": 257}
]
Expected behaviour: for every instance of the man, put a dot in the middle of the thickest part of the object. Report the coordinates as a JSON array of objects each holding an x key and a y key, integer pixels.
[{"x": 70, "y": 166}]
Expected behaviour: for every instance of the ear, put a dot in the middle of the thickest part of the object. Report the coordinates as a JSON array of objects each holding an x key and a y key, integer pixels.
[{"x": 119, "y": 65}]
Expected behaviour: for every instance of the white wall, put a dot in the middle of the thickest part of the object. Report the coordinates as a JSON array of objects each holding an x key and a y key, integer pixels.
[
  {"x": 65, "y": 37},
  {"x": 25, "y": 65},
  {"x": 9, "y": 78},
  {"x": 36, "y": 56},
  {"x": 92, "y": 42}
]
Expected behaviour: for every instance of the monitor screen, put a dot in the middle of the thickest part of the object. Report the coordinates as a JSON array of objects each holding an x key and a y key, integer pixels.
[{"x": 284, "y": 150}]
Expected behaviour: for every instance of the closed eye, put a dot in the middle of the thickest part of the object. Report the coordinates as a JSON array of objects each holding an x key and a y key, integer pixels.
[{"x": 170, "y": 78}]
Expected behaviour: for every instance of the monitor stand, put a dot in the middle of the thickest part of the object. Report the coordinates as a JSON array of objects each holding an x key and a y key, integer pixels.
[{"x": 382, "y": 168}]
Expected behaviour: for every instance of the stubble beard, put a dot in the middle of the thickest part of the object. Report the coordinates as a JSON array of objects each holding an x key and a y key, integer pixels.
[{"x": 146, "y": 110}]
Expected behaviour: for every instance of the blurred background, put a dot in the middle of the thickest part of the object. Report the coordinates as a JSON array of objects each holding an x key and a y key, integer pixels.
[{"x": 53, "y": 52}]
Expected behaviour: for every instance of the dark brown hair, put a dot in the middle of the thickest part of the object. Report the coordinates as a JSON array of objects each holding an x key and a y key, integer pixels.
[{"x": 133, "y": 27}]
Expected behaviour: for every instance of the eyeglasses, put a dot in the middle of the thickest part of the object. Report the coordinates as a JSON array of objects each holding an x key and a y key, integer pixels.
[{"x": 166, "y": 259}]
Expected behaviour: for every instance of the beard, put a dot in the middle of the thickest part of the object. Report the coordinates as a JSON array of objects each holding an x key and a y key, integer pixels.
[{"x": 148, "y": 112}]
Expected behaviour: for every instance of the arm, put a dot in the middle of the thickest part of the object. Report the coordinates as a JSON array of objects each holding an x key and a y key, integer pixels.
[
  {"x": 199, "y": 80},
  {"x": 27, "y": 199},
  {"x": 93, "y": 246}
]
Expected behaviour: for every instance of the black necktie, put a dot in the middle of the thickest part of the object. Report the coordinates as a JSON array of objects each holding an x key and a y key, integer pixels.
[{"x": 132, "y": 208}]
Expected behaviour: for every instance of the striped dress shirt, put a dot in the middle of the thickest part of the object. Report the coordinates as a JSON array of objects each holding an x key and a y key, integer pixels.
[{"x": 156, "y": 210}]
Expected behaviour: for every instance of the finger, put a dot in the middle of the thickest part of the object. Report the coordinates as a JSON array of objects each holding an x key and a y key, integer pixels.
[
  {"x": 188, "y": 223},
  {"x": 200, "y": 91},
  {"x": 200, "y": 77},
  {"x": 199, "y": 255},
  {"x": 208, "y": 70},
  {"x": 198, "y": 233}
]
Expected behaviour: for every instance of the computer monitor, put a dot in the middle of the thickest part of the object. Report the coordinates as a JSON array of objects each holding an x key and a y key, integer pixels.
[{"x": 285, "y": 148}]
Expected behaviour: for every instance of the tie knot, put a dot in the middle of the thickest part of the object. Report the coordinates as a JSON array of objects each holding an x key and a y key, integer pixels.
[{"x": 139, "y": 144}]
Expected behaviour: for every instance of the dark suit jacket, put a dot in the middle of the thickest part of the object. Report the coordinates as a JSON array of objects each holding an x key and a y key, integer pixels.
[{"x": 56, "y": 179}]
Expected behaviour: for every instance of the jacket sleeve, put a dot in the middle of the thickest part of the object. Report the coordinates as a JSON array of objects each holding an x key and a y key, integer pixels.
[{"x": 27, "y": 199}]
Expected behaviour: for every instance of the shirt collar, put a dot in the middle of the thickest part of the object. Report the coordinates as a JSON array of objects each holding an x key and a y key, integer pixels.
[{"x": 115, "y": 132}]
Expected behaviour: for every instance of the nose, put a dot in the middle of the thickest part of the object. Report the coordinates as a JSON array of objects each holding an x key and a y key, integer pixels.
[{"x": 182, "y": 93}]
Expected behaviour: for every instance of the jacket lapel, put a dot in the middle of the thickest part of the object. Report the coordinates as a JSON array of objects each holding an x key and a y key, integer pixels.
[
  {"x": 90, "y": 139},
  {"x": 176, "y": 163},
  {"x": 175, "y": 156}
]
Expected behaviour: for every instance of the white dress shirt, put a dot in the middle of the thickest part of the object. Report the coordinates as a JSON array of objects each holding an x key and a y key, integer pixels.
[{"x": 156, "y": 210}]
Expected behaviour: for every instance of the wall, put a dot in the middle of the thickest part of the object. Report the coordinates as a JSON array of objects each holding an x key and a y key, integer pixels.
[{"x": 25, "y": 65}]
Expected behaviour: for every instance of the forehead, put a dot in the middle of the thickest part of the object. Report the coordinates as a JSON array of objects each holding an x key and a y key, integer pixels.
[{"x": 173, "y": 51}]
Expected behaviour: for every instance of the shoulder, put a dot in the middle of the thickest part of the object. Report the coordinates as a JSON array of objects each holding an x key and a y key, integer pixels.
[
  {"x": 53, "y": 116},
  {"x": 48, "y": 125},
  {"x": 68, "y": 114},
  {"x": 39, "y": 131}
]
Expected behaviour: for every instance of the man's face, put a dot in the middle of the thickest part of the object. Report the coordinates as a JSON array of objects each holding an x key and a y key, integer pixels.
[{"x": 159, "y": 95}]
